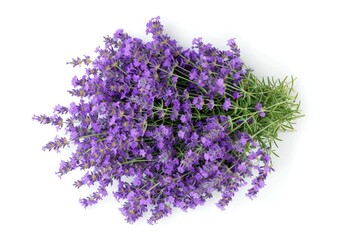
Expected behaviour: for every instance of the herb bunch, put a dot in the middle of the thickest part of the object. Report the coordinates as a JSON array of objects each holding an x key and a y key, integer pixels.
[{"x": 169, "y": 125}]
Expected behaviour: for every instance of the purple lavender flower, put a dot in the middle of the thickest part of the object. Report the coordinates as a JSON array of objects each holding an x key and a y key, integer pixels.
[
  {"x": 198, "y": 102},
  {"x": 154, "y": 27},
  {"x": 221, "y": 86},
  {"x": 153, "y": 119},
  {"x": 227, "y": 104},
  {"x": 210, "y": 104},
  {"x": 237, "y": 95},
  {"x": 259, "y": 108}
]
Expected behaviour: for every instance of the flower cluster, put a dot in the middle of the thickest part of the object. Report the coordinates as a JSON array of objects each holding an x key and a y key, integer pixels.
[{"x": 169, "y": 125}]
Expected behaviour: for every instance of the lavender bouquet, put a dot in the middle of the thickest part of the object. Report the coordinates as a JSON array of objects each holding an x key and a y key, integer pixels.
[{"x": 170, "y": 126}]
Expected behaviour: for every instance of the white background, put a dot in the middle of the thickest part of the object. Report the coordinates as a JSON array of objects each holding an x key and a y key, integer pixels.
[{"x": 314, "y": 192}]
